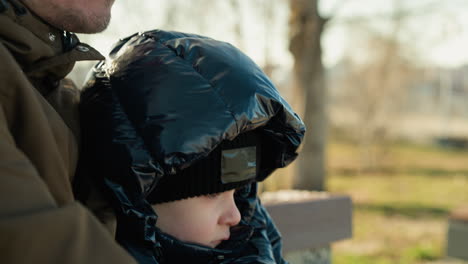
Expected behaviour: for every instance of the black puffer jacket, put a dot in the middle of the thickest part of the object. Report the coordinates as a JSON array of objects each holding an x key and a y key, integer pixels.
[{"x": 164, "y": 100}]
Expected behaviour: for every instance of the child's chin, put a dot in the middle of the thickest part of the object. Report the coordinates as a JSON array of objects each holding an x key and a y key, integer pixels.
[{"x": 214, "y": 243}]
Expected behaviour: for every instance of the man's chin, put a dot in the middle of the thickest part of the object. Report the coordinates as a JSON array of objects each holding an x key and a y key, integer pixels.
[
  {"x": 78, "y": 22},
  {"x": 88, "y": 27}
]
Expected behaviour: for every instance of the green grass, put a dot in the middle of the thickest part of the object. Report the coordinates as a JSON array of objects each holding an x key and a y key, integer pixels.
[
  {"x": 400, "y": 209},
  {"x": 411, "y": 255},
  {"x": 408, "y": 194}
]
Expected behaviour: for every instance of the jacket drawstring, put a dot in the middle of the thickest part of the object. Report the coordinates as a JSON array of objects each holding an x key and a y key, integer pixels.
[{"x": 69, "y": 41}]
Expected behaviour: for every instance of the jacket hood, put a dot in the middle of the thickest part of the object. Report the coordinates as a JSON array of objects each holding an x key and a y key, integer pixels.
[
  {"x": 41, "y": 49},
  {"x": 178, "y": 96},
  {"x": 164, "y": 100}
]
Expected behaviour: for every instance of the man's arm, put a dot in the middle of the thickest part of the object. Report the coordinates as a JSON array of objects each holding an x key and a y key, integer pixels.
[{"x": 33, "y": 229}]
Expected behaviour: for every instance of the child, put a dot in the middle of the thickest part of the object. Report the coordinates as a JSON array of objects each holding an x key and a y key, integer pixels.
[
  {"x": 197, "y": 205},
  {"x": 178, "y": 128}
]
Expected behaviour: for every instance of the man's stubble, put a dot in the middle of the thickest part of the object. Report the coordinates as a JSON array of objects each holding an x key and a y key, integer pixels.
[{"x": 86, "y": 16}]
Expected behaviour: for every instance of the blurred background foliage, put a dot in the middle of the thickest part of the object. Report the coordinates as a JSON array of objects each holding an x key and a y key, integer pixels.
[{"x": 382, "y": 86}]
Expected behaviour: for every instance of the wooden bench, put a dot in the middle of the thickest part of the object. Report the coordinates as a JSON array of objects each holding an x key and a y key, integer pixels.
[
  {"x": 457, "y": 234},
  {"x": 309, "y": 222}
]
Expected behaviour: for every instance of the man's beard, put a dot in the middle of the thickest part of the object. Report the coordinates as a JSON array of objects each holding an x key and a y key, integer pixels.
[
  {"x": 79, "y": 23},
  {"x": 79, "y": 19}
]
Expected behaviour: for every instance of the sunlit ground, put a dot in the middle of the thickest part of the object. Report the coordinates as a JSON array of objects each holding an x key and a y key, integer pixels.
[{"x": 400, "y": 213}]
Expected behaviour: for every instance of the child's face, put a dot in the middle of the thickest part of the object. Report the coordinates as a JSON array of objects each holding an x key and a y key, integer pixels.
[{"x": 203, "y": 220}]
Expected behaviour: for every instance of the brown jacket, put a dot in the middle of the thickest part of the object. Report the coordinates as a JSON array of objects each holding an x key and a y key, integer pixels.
[{"x": 40, "y": 221}]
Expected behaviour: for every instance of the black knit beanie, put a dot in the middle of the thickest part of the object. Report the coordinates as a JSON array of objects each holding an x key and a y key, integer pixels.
[{"x": 230, "y": 165}]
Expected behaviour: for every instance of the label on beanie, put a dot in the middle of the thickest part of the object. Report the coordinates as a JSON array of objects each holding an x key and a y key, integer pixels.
[{"x": 238, "y": 164}]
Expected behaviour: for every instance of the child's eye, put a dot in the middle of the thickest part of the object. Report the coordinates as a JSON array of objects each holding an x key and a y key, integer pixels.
[{"x": 212, "y": 195}]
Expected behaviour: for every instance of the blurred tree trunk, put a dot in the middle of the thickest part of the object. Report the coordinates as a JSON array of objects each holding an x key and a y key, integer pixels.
[{"x": 306, "y": 27}]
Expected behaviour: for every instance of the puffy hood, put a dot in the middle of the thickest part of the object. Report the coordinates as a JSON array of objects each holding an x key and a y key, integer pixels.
[{"x": 164, "y": 100}]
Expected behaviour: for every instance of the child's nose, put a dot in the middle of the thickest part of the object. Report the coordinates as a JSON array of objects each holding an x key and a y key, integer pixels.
[{"x": 231, "y": 215}]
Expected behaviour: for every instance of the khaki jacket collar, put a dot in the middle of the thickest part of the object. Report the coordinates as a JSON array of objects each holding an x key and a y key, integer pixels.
[{"x": 42, "y": 50}]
